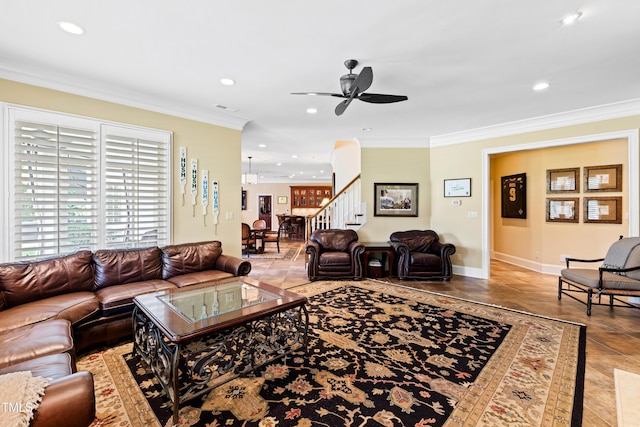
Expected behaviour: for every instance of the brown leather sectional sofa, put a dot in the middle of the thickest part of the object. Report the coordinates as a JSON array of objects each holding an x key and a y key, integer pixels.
[{"x": 53, "y": 308}]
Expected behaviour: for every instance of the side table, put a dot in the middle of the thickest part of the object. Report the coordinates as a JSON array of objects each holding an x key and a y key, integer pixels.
[{"x": 378, "y": 247}]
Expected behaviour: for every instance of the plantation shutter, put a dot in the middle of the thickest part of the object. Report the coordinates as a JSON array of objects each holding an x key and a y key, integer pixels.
[
  {"x": 55, "y": 188},
  {"x": 136, "y": 191}
]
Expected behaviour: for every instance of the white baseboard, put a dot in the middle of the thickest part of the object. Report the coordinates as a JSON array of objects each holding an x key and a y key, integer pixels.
[
  {"x": 468, "y": 271},
  {"x": 539, "y": 267}
]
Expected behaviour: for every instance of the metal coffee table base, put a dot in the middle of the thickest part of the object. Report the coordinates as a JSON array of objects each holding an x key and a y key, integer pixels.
[{"x": 188, "y": 370}]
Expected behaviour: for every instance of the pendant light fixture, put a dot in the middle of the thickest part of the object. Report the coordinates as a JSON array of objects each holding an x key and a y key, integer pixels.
[{"x": 249, "y": 178}]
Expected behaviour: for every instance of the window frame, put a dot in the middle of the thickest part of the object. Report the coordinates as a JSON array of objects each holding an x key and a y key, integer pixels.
[{"x": 13, "y": 112}]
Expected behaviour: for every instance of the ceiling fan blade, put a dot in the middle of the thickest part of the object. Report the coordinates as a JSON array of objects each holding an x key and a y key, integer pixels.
[
  {"x": 363, "y": 81},
  {"x": 379, "y": 98},
  {"x": 343, "y": 106},
  {"x": 337, "y": 95}
]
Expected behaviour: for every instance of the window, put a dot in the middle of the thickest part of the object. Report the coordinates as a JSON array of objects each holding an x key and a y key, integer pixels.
[{"x": 75, "y": 183}]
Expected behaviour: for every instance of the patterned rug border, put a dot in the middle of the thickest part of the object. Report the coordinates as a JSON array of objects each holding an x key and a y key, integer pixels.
[{"x": 562, "y": 393}]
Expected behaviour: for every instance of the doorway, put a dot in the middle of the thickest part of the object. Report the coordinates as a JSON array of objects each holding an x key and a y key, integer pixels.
[{"x": 264, "y": 208}]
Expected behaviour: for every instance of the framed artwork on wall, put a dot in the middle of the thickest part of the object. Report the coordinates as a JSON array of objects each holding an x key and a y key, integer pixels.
[
  {"x": 514, "y": 196},
  {"x": 563, "y": 180},
  {"x": 457, "y": 187},
  {"x": 282, "y": 200},
  {"x": 244, "y": 200},
  {"x": 603, "y": 178},
  {"x": 563, "y": 210},
  {"x": 395, "y": 199},
  {"x": 603, "y": 210}
]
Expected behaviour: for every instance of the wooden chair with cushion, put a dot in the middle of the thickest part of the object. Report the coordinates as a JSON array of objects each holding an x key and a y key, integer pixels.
[
  {"x": 617, "y": 277},
  {"x": 421, "y": 255},
  {"x": 248, "y": 241},
  {"x": 272, "y": 237}
]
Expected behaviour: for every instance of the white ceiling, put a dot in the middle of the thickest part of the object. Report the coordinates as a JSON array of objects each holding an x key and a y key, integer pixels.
[{"x": 463, "y": 64}]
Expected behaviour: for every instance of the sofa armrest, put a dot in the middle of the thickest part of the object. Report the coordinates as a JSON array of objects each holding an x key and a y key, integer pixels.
[
  {"x": 68, "y": 401},
  {"x": 233, "y": 265}
]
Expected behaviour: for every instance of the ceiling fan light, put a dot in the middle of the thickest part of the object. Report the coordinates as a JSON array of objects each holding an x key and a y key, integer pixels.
[{"x": 71, "y": 28}]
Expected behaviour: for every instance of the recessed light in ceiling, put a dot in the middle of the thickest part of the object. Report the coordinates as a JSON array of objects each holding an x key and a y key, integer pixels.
[
  {"x": 71, "y": 28},
  {"x": 227, "y": 82},
  {"x": 312, "y": 110},
  {"x": 571, "y": 19},
  {"x": 541, "y": 86},
  {"x": 262, "y": 145},
  {"x": 294, "y": 156},
  {"x": 278, "y": 164}
]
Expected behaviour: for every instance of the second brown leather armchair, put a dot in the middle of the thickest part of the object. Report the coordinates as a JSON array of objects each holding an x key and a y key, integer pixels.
[
  {"x": 334, "y": 254},
  {"x": 421, "y": 255}
]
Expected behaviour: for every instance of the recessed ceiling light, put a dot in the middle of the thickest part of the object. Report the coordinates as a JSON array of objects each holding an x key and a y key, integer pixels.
[
  {"x": 71, "y": 28},
  {"x": 312, "y": 110},
  {"x": 540, "y": 86},
  {"x": 278, "y": 164},
  {"x": 227, "y": 82},
  {"x": 294, "y": 156},
  {"x": 571, "y": 19},
  {"x": 262, "y": 145}
]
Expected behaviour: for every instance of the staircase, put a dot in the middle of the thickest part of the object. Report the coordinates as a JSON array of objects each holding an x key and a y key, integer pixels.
[{"x": 344, "y": 210}]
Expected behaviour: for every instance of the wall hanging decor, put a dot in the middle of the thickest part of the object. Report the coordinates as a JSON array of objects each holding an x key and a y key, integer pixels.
[
  {"x": 603, "y": 210},
  {"x": 563, "y": 180},
  {"x": 395, "y": 199},
  {"x": 603, "y": 178},
  {"x": 514, "y": 196},
  {"x": 216, "y": 203},
  {"x": 205, "y": 194},
  {"x": 183, "y": 172},
  {"x": 563, "y": 210},
  {"x": 194, "y": 184},
  {"x": 457, "y": 187}
]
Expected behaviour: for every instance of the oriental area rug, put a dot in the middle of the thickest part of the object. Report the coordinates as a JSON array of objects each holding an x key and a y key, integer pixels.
[{"x": 378, "y": 355}]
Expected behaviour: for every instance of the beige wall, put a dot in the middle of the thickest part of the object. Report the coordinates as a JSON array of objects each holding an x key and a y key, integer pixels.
[
  {"x": 394, "y": 165},
  {"x": 465, "y": 160},
  {"x": 536, "y": 239},
  {"x": 217, "y": 149}
]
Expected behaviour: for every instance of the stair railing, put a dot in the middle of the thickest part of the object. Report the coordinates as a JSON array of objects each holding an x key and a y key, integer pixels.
[{"x": 344, "y": 210}]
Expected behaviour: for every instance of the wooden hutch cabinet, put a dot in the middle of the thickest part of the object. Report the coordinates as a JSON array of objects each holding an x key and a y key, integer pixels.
[{"x": 309, "y": 196}]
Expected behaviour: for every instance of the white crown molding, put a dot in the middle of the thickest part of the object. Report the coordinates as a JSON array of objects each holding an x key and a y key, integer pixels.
[
  {"x": 393, "y": 142},
  {"x": 585, "y": 115},
  {"x": 116, "y": 95}
]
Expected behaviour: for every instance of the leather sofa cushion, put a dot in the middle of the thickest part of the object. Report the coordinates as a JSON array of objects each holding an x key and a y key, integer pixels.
[
  {"x": 53, "y": 366},
  {"x": 23, "y": 282},
  {"x": 73, "y": 307},
  {"x": 118, "y": 266},
  {"x": 198, "y": 277},
  {"x": 334, "y": 258},
  {"x": 426, "y": 260},
  {"x": 122, "y": 295},
  {"x": 37, "y": 340},
  {"x": 416, "y": 240},
  {"x": 189, "y": 258},
  {"x": 334, "y": 240}
]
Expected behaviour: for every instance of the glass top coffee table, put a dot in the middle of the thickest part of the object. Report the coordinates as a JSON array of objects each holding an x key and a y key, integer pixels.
[{"x": 197, "y": 338}]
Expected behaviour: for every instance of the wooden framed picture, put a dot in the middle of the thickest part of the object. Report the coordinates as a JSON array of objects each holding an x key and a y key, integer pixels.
[
  {"x": 457, "y": 187},
  {"x": 514, "y": 196},
  {"x": 563, "y": 210},
  {"x": 603, "y": 210},
  {"x": 603, "y": 178},
  {"x": 282, "y": 200},
  {"x": 563, "y": 180},
  {"x": 395, "y": 199}
]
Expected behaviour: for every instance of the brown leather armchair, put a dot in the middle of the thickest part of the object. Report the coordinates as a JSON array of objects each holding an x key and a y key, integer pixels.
[
  {"x": 421, "y": 255},
  {"x": 334, "y": 254}
]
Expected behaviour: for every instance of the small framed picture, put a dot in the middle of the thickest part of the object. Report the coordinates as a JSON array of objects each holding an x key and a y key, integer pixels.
[
  {"x": 563, "y": 210},
  {"x": 282, "y": 200},
  {"x": 563, "y": 180},
  {"x": 603, "y": 178},
  {"x": 457, "y": 187},
  {"x": 603, "y": 210},
  {"x": 395, "y": 199}
]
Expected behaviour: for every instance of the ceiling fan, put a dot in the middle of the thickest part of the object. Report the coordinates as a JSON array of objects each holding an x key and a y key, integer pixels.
[{"x": 353, "y": 86}]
